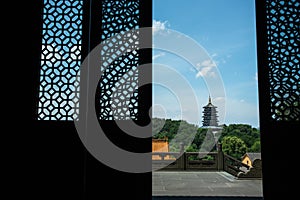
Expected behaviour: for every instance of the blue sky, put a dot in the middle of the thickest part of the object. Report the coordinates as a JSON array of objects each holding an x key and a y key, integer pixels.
[{"x": 225, "y": 29}]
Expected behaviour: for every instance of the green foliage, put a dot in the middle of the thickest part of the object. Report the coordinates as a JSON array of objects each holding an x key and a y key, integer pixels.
[
  {"x": 234, "y": 146},
  {"x": 199, "y": 137},
  {"x": 256, "y": 147},
  {"x": 181, "y": 131},
  {"x": 208, "y": 157},
  {"x": 247, "y": 133},
  {"x": 162, "y": 128},
  {"x": 174, "y": 147},
  {"x": 192, "y": 148},
  {"x": 176, "y": 131}
]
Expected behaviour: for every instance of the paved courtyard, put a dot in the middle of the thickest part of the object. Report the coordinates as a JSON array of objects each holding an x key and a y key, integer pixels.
[{"x": 203, "y": 184}]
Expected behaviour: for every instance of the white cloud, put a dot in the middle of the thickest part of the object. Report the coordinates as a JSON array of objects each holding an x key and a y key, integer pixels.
[
  {"x": 219, "y": 99},
  {"x": 158, "y": 55},
  {"x": 158, "y": 26},
  {"x": 206, "y": 63},
  {"x": 206, "y": 69},
  {"x": 220, "y": 58},
  {"x": 192, "y": 69},
  {"x": 214, "y": 55}
]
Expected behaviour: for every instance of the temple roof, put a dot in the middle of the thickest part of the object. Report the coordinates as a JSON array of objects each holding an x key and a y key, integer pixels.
[{"x": 252, "y": 156}]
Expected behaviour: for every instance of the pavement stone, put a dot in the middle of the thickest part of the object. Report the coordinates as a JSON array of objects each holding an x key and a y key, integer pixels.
[{"x": 203, "y": 185}]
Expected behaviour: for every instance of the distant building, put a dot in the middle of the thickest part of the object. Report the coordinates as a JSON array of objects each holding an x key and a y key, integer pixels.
[
  {"x": 248, "y": 158},
  {"x": 160, "y": 145},
  {"x": 210, "y": 117}
]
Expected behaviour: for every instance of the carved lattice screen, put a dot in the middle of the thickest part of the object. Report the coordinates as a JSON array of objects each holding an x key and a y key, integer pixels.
[
  {"x": 118, "y": 85},
  {"x": 284, "y": 59},
  {"x": 60, "y": 60}
]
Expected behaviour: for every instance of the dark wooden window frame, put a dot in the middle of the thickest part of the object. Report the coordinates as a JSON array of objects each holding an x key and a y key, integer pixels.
[{"x": 57, "y": 159}]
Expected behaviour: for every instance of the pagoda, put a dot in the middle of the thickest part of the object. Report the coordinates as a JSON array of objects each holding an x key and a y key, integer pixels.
[{"x": 210, "y": 118}]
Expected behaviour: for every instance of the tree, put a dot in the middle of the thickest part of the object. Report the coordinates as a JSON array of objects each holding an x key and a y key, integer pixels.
[
  {"x": 244, "y": 131},
  {"x": 208, "y": 142},
  {"x": 192, "y": 148},
  {"x": 199, "y": 137},
  {"x": 180, "y": 131},
  {"x": 234, "y": 146},
  {"x": 256, "y": 147}
]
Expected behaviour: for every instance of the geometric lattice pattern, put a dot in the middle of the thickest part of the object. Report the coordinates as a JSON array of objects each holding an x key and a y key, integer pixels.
[
  {"x": 60, "y": 60},
  {"x": 119, "y": 81},
  {"x": 284, "y": 59}
]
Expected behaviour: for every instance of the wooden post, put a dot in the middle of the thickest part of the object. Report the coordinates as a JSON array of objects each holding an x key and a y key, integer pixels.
[
  {"x": 182, "y": 158},
  {"x": 220, "y": 158},
  {"x": 181, "y": 148}
]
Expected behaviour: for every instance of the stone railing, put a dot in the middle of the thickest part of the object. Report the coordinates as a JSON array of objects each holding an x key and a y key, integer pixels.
[
  {"x": 185, "y": 161},
  {"x": 205, "y": 161},
  {"x": 234, "y": 166},
  {"x": 167, "y": 161}
]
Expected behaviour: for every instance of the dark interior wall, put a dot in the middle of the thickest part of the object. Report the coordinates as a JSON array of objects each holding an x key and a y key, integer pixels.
[
  {"x": 54, "y": 163},
  {"x": 279, "y": 145}
]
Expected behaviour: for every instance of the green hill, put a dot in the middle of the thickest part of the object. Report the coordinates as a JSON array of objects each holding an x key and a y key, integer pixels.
[{"x": 195, "y": 138}]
